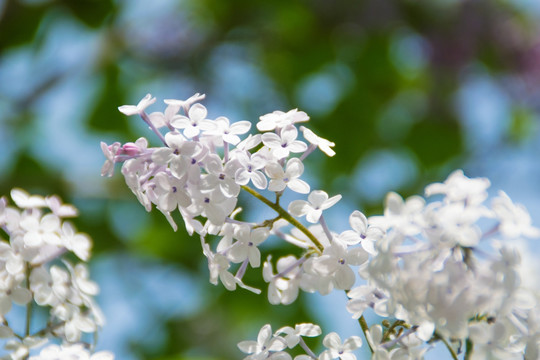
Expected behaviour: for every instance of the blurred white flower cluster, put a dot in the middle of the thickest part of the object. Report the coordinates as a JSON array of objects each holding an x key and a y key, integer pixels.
[
  {"x": 443, "y": 270},
  {"x": 36, "y": 248}
]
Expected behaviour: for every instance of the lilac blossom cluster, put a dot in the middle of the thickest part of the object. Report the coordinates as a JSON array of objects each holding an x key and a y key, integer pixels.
[
  {"x": 437, "y": 270},
  {"x": 35, "y": 270}
]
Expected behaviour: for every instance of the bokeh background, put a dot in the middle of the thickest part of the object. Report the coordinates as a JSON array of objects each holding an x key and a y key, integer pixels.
[{"x": 408, "y": 90}]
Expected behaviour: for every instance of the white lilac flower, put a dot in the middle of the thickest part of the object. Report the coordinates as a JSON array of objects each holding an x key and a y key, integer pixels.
[
  {"x": 80, "y": 244},
  {"x": 59, "y": 209},
  {"x": 214, "y": 206},
  {"x": 264, "y": 346},
  {"x": 194, "y": 123},
  {"x": 293, "y": 335},
  {"x": 163, "y": 119},
  {"x": 41, "y": 286},
  {"x": 229, "y": 132},
  {"x": 317, "y": 202},
  {"x": 283, "y": 287},
  {"x": 139, "y": 108},
  {"x": 246, "y": 246},
  {"x": 340, "y": 350},
  {"x": 220, "y": 176},
  {"x": 12, "y": 259},
  {"x": 75, "y": 321},
  {"x": 324, "y": 145},
  {"x": 361, "y": 233},
  {"x": 39, "y": 231},
  {"x": 458, "y": 187},
  {"x": 20, "y": 348},
  {"x": 335, "y": 262},
  {"x": 81, "y": 280},
  {"x": 284, "y": 143},
  {"x": 515, "y": 220},
  {"x": 185, "y": 104},
  {"x": 250, "y": 170},
  {"x": 453, "y": 224},
  {"x": 280, "y": 119},
  {"x": 402, "y": 216},
  {"x": 177, "y": 155},
  {"x": 363, "y": 297},
  {"x": 280, "y": 179},
  {"x": 491, "y": 342},
  {"x": 16, "y": 294},
  {"x": 312, "y": 281},
  {"x": 218, "y": 266},
  {"x": 171, "y": 192}
]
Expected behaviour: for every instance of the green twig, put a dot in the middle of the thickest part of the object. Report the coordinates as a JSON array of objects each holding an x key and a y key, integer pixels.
[
  {"x": 468, "y": 348},
  {"x": 285, "y": 215},
  {"x": 365, "y": 329},
  {"x": 448, "y": 346},
  {"x": 390, "y": 330},
  {"x": 29, "y": 305}
]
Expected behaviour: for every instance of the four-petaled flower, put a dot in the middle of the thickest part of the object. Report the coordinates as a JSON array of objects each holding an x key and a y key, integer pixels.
[
  {"x": 337, "y": 349},
  {"x": 280, "y": 179},
  {"x": 266, "y": 343},
  {"x": 285, "y": 143},
  {"x": 317, "y": 202}
]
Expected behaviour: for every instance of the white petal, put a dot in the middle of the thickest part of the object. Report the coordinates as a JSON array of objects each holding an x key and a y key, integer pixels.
[
  {"x": 254, "y": 256},
  {"x": 265, "y": 334},
  {"x": 242, "y": 177},
  {"x": 259, "y": 180},
  {"x": 331, "y": 202},
  {"x": 299, "y": 207},
  {"x": 274, "y": 170},
  {"x": 332, "y": 341},
  {"x": 21, "y": 296},
  {"x": 425, "y": 330},
  {"x": 128, "y": 110},
  {"x": 277, "y": 185},
  {"x": 317, "y": 197},
  {"x": 307, "y": 329},
  {"x": 248, "y": 347},
  {"x": 271, "y": 140},
  {"x": 197, "y": 112},
  {"x": 240, "y": 127},
  {"x": 294, "y": 167},
  {"x": 352, "y": 343},
  {"x": 299, "y": 186},
  {"x": 344, "y": 278},
  {"x": 179, "y": 122},
  {"x": 297, "y": 146},
  {"x": 162, "y": 156},
  {"x": 289, "y": 133},
  {"x": 358, "y": 222}
]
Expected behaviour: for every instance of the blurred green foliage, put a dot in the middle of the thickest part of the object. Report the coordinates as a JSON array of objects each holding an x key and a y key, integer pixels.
[{"x": 373, "y": 75}]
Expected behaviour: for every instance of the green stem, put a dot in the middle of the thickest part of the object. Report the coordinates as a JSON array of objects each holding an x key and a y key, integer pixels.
[
  {"x": 285, "y": 215},
  {"x": 365, "y": 329},
  {"x": 29, "y": 305},
  {"x": 468, "y": 348},
  {"x": 389, "y": 331},
  {"x": 448, "y": 346}
]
